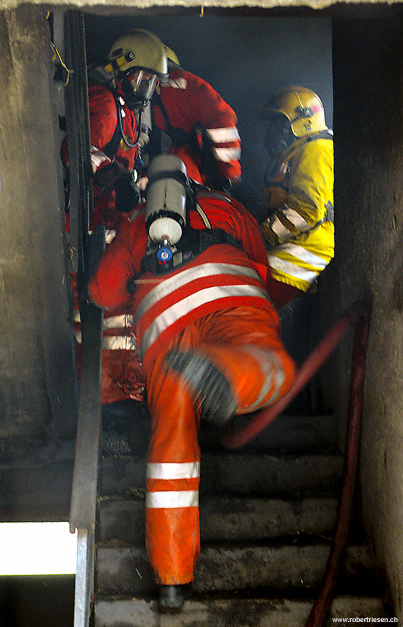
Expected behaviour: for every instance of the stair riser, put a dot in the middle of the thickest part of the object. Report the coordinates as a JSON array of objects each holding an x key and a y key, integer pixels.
[
  {"x": 227, "y": 519},
  {"x": 237, "y": 613},
  {"x": 123, "y": 571},
  {"x": 234, "y": 474},
  {"x": 290, "y": 433}
]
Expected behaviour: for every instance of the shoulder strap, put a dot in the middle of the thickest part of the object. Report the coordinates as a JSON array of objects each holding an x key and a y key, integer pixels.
[
  {"x": 326, "y": 134},
  {"x": 203, "y": 216},
  {"x": 172, "y": 136}
]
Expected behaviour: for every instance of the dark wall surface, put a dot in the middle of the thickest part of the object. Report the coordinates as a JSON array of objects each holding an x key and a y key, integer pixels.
[
  {"x": 37, "y": 369},
  {"x": 245, "y": 59},
  {"x": 37, "y": 601},
  {"x": 368, "y": 70}
]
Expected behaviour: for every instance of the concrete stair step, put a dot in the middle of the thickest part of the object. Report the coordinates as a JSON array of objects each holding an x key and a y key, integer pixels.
[
  {"x": 227, "y": 519},
  {"x": 267, "y": 515},
  {"x": 252, "y": 612},
  {"x": 126, "y": 430},
  {"x": 286, "y": 434},
  {"x": 228, "y": 568},
  {"x": 233, "y": 473}
]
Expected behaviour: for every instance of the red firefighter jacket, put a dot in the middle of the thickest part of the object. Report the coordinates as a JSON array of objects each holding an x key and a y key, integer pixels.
[
  {"x": 164, "y": 304},
  {"x": 192, "y": 104},
  {"x": 103, "y": 124}
]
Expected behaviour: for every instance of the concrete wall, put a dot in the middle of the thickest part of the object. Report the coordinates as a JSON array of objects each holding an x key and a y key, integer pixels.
[
  {"x": 37, "y": 377},
  {"x": 368, "y": 196}
]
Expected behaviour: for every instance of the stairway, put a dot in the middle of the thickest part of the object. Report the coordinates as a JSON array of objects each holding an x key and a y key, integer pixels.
[{"x": 267, "y": 514}]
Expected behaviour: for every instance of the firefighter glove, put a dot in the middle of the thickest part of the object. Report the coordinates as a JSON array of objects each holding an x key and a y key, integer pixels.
[
  {"x": 127, "y": 193},
  {"x": 107, "y": 175}
]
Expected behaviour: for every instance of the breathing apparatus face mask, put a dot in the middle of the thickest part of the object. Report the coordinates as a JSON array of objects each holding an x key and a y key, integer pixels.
[
  {"x": 138, "y": 87},
  {"x": 278, "y": 135},
  {"x": 166, "y": 204}
]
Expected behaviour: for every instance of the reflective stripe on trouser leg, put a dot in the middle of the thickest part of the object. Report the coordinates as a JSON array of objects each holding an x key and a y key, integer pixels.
[
  {"x": 122, "y": 377},
  {"x": 244, "y": 343},
  {"x": 172, "y": 481}
]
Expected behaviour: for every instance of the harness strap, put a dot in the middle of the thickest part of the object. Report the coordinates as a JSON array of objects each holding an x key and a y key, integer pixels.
[{"x": 203, "y": 216}]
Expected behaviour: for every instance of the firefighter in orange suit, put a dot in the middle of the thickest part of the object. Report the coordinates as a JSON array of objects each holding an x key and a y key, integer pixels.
[
  {"x": 189, "y": 114},
  {"x": 208, "y": 338},
  {"x": 116, "y": 100},
  {"x": 135, "y": 64}
]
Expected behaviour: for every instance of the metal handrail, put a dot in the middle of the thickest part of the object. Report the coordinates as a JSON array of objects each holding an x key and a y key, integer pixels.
[
  {"x": 85, "y": 475},
  {"x": 85, "y": 251}
]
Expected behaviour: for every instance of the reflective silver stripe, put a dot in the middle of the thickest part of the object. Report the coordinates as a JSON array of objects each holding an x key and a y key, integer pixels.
[
  {"x": 110, "y": 233},
  {"x": 116, "y": 322},
  {"x": 280, "y": 230},
  {"x": 296, "y": 219},
  {"x": 299, "y": 223},
  {"x": 272, "y": 368},
  {"x": 292, "y": 269},
  {"x": 169, "y": 471},
  {"x": 190, "y": 303},
  {"x": 305, "y": 255},
  {"x": 113, "y": 322},
  {"x": 172, "y": 499},
  {"x": 113, "y": 342},
  {"x": 119, "y": 342},
  {"x": 223, "y": 135},
  {"x": 227, "y": 154},
  {"x": 165, "y": 288}
]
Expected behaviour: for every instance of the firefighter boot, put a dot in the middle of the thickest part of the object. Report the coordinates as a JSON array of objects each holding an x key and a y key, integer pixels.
[
  {"x": 209, "y": 385},
  {"x": 172, "y": 598}
]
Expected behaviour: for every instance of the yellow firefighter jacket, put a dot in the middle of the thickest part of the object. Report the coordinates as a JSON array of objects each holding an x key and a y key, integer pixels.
[{"x": 299, "y": 231}]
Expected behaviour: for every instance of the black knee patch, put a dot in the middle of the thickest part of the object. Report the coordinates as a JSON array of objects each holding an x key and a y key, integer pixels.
[{"x": 207, "y": 382}]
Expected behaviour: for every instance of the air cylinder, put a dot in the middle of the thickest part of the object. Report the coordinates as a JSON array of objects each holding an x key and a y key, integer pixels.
[{"x": 166, "y": 199}]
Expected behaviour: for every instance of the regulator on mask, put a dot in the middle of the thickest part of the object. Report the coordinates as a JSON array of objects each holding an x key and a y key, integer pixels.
[{"x": 166, "y": 195}]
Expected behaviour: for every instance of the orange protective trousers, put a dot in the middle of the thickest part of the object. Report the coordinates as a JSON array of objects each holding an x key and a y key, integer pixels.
[
  {"x": 244, "y": 343},
  {"x": 122, "y": 375}
]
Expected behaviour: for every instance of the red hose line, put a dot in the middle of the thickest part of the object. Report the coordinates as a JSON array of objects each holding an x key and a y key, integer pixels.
[
  {"x": 304, "y": 374},
  {"x": 321, "y": 606}
]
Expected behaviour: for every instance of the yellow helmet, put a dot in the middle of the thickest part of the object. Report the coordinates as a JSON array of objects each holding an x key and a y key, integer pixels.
[
  {"x": 171, "y": 55},
  {"x": 138, "y": 49},
  {"x": 301, "y": 106}
]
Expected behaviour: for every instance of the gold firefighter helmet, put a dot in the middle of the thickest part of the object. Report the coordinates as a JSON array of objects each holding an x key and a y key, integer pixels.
[
  {"x": 301, "y": 106},
  {"x": 138, "y": 49},
  {"x": 171, "y": 55}
]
